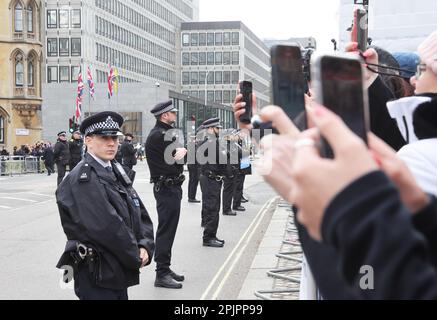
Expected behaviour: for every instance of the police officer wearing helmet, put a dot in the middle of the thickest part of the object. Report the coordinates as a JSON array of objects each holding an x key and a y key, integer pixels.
[
  {"x": 109, "y": 231},
  {"x": 212, "y": 174},
  {"x": 166, "y": 157}
]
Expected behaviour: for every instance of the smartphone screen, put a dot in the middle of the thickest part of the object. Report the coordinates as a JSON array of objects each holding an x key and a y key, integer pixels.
[
  {"x": 288, "y": 87},
  {"x": 246, "y": 91},
  {"x": 342, "y": 91}
]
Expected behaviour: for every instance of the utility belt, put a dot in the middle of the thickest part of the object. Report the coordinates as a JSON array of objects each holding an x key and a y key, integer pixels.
[
  {"x": 213, "y": 176},
  {"x": 167, "y": 182}
]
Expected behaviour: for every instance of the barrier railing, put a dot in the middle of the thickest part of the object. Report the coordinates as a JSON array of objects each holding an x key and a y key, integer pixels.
[{"x": 17, "y": 165}]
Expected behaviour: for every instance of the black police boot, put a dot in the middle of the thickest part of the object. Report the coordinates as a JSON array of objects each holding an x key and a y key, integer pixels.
[
  {"x": 212, "y": 243},
  {"x": 193, "y": 201},
  {"x": 244, "y": 200},
  {"x": 167, "y": 282},
  {"x": 240, "y": 208},
  {"x": 219, "y": 240},
  {"x": 177, "y": 277},
  {"x": 229, "y": 213}
]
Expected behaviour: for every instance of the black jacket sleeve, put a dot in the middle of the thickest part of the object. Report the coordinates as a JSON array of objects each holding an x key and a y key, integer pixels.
[
  {"x": 146, "y": 240},
  {"x": 373, "y": 228}
]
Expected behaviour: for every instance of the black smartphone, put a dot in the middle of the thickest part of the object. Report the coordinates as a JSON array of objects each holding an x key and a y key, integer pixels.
[
  {"x": 339, "y": 86},
  {"x": 288, "y": 84},
  {"x": 246, "y": 91},
  {"x": 360, "y": 30}
]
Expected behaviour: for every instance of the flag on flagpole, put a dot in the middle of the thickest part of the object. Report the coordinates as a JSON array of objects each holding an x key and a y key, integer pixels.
[
  {"x": 110, "y": 82},
  {"x": 80, "y": 87},
  {"x": 115, "y": 80},
  {"x": 90, "y": 82}
]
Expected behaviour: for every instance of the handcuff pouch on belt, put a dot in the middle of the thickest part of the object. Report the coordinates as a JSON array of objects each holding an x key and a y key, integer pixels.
[
  {"x": 167, "y": 182},
  {"x": 213, "y": 176}
]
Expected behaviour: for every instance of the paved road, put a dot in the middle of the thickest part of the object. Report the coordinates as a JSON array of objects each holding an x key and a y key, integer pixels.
[{"x": 31, "y": 241}]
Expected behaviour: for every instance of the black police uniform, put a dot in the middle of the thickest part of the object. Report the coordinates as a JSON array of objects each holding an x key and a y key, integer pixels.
[
  {"x": 104, "y": 220},
  {"x": 76, "y": 148},
  {"x": 194, "y": 175},
  {"x": 129, "y": 154},
  {"x": 232, "y": 179},
  {"x": 211, "y": 180},
  {"x": 167, "y": 179},
  {"x": 61, "y": 155}
]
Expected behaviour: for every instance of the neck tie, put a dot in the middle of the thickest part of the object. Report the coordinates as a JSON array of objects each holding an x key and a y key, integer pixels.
[{"x": 109, "y": 169}]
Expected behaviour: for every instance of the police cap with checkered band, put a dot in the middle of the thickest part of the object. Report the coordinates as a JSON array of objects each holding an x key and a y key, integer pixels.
[{"x": 105, "y": 123}]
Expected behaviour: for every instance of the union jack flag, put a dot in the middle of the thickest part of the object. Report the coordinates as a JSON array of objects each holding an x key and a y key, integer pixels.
[
  {"x": 111, "y": 79},
  {"x": 80, "y": 88},
  {"x": 90, "y": 82}
]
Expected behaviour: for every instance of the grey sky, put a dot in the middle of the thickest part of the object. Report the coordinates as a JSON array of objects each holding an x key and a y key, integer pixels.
[{"x": 279, "y": 19}]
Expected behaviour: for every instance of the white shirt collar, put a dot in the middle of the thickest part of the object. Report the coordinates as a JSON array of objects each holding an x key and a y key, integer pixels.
[{"x": 100, "y": 161}]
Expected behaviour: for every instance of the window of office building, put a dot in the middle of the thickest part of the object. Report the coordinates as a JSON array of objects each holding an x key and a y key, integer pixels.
[
  {"x": 194, "y": 78},
  {"x": 186, "y": 39},
  {"x": 52, "y": 47},
  {"x": 194, "y": 58},
  {"x": 63, "y": 19},
  {"x": 210, "y": 58},
  {"x": 202, "y": 39},
  {"x": 52, "y": 74},
  {"x": 226, "y": 58},
  {"x": 202, "y": 77},
  {"x": 235, "y": 38},
  {"x": 75, "y": 47},
  {"x": 235, "y": 57},
  {"x": 202, "y": 58},
  {"x": 219, "y": 39},
  {"x": 202, "y": 95},
  {"x": 210, "y": 95},
  {"x": 218, "y": 77},
  {"x": 210, "y": 39},
  {"x": 185, "y": 78},
  {"x": 218, "y": 58},
  {"x": 74, "y": 73},
  {"x": 194, "y": 94},
  {"x": 64, "y": 74},
  {"x": 227, "y": 39},
  {"x": 227, "y": 96},
  {"x": 64, "y": 44},
  {"x": 194, "y": 39},
  {"x": 52, "y": 19},
  {"x": 210, "y": 79},
  {"x": 226, "y": 77},
  {"x": 219, "y": 96},
  {"x": 75, "y": 18},
  {"x": 235, "y": 77},
  {"x": 185, "y": 58}
]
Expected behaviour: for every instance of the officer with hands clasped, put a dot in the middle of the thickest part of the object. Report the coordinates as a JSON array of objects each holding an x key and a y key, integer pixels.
[{"x": 109, "y": 231}]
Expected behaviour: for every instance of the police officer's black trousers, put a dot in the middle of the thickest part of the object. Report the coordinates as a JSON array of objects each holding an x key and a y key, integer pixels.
[
  {"x": 229, "y": 189},
  {"x": 86, "y": 289},
  {"x": 193, "y": 182},
  {"x": 211, "y": 193},
  {"x": 238, "y": 191},
  {"x": 168, "y": 206},
  {"x": 62, "y": 168}
]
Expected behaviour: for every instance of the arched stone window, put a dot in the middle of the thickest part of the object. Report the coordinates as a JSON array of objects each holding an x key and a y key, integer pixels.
[
  {"x": 18, "y": 17},
  {"x": 30, "y": 74},
  {"x": 2, "y": 129},
  {"x": 30, "y": 19},
  {"x": 19, "y": 70}
]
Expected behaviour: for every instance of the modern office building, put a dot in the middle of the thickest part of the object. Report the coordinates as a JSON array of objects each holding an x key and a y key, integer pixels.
[
  {"x": 20, "y": 73},
  {"x": 216, "y": 55},
  {"x": 139, "y": 37},
  {"x": 306, "y": 42},
  {"x": 396, "y": 25}
]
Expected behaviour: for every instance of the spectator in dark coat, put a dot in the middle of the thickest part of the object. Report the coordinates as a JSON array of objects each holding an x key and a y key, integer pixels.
[{"x": 128, "y": 152}]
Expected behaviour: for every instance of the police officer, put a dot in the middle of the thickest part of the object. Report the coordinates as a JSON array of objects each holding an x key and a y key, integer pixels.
[
  {"x": 128, "y": 152},
  {"x": 194, "y": 174},
  {"x": 61, "y": 155},
  {"x": 232, "y": 178},
  {"x": 165, "y": 157},
  {"x": 109, "y": 232},
  {"x": 76, "y": 147},
  {"x": 213, "y": 171}
]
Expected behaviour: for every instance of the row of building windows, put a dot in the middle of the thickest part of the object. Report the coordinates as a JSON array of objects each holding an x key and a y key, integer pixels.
[
  {"x": 62, "y": 73},
  {"x": 24, "y": 18},
  {"x": 125, "y": 61},
  {"x": 257, "y": 52},
  {"x": 210, "y": 58},
  {"x": 181, "y": 6},
  {"x": 160, "y": 11},
  {"x": 211, "y": 77},
  {"x": 63, "y": 47},
  {"x": 63, "y": 18},
  {"x": 256, "y": 68},
  {"x": 219, "y": 96},
  {"x": 138, "y": 20},
  {"x": 102, "y": 77},
  {"x": 123, "y": 36},
  {"x": 211, "y": 39}
]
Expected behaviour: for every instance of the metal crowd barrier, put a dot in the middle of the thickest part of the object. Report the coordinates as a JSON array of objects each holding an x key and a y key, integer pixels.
[{"x": 17, "y": 165}]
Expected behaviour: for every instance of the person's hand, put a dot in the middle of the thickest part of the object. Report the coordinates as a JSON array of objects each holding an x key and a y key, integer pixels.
[
  {"x": 412, "y": 195},
  {"x": 180, "y": 153},
  {"x": 315, "y": 180},
  {"x": 144, "y": 256},
  {"x": 239, "y": 109},
  {"x": 370, "y": 56}
]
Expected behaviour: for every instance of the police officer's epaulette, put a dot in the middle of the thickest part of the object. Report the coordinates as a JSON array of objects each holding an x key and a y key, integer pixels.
[{"x": 85, "y": 173}]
